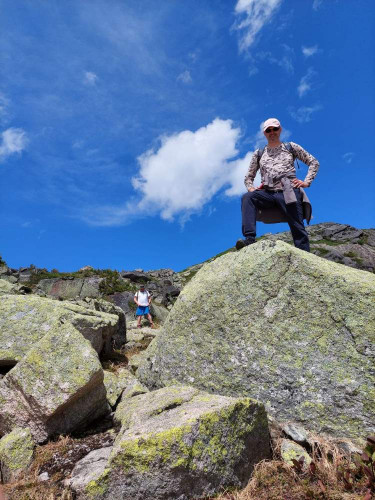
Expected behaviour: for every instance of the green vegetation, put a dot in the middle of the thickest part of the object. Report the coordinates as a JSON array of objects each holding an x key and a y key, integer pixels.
[
  {"x": 2, "y": 262},
  {"x": 329, "y": 242},
  {"x": 363, "y": 239},
  {"x": 112, "y": 281},
  {"x": 319, "y": 251}
]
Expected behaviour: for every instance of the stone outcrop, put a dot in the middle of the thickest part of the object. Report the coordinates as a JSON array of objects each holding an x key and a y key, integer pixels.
[
  {"x": 16, "y": 453},
  {"x": 177, "y": 442},
  {"x": 280, "y": 325},
  {"x": 24, "y": 320},
  {"x": 119, "y": 336},
  {"x": 56, "y": 388},
  {"x": 339, "y": 243},
  {"x": 71, "y": 288}
]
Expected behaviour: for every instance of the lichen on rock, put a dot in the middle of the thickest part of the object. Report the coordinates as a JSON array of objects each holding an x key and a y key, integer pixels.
[
  {"x": 179, "y": 442},
  {"x": 280, "y": 325},
  {"x": 57, "y": 387},
  {"x": 16, "y": 453}
]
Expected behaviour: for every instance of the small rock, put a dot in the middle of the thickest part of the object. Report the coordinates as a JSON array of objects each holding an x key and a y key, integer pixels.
[
  {"x": 43, "y": 477},
  {"x": 292, "y": 451},
  {"x": 295, "y": 432}
]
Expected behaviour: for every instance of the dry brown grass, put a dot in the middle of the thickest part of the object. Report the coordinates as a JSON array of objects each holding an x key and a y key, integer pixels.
[
  {"x": 27, "y": 487},
  {"x": 58, "y": 459},
  {"x": 276, "y": 480}
]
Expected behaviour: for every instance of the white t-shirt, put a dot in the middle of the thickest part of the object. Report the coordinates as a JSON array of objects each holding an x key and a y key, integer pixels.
[{"x": 143, "y": 298}]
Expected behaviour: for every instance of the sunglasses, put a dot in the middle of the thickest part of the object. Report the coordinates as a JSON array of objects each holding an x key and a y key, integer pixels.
[{"x": 271, "y": 129}]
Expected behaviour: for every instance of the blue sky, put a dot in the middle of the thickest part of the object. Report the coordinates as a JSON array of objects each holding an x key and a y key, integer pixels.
[{"x": 126, "y": 127}]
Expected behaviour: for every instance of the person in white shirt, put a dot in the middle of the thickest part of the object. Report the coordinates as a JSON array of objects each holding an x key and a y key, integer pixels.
[{"x": 143, "y": 300}]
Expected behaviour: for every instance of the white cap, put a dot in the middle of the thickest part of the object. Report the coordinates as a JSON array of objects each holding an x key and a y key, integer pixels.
[{"x": 271, "y": 122}]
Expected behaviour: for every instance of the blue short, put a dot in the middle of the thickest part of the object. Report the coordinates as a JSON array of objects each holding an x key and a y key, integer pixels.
[{"x": 142, "y": 310}]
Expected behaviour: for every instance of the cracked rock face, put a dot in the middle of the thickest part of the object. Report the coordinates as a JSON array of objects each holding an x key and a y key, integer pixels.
[
  {"x": 281, "y": 325},
  {"x": 56, "y": 388},
  {"x": 176, "y": 443}
]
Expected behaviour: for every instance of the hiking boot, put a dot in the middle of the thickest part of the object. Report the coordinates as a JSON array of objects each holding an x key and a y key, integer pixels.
[{"x": 244, "y": 243}]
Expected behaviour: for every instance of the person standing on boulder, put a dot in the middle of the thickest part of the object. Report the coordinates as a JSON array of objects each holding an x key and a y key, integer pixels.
[
  {"x": 143, "y": 300},
  {"x": 280, "y": 197}
]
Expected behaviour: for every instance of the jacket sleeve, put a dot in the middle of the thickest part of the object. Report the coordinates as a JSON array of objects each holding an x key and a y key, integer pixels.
[
  {"x": 308, "y": 159},
  {"x": 253, "y": 168}
]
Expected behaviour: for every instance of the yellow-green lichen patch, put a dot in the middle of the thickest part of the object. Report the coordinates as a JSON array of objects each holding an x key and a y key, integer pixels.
[
  {"x": 142, "y": 453},
  {"x": 292, "y": 451},
  {"x": 177, "y": 436},
  {"x": 16, "y": 452},
  {"x": 95, "y": 489}
]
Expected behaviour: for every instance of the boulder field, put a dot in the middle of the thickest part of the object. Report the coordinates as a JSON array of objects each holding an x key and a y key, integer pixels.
[
  {"x": 176, "y": 442},
  {"x": 268, "y": 335},
  {"x": 280, "y": 325}
]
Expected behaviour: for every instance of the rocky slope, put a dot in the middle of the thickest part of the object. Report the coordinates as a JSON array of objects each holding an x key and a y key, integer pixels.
[{"x": 286, "y": 328}]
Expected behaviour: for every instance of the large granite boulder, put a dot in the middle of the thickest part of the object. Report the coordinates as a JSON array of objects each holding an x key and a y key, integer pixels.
[
  {"x": 56, "y": 387},
  {"x": 119, "y": 337},
  {"x": 177, "y": 442},
  {"x": 281, "y": 325},
  {"x": 24, "y": 320}
]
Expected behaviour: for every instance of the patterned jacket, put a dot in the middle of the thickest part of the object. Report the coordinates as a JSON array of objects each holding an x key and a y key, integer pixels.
[{"x": 279, "y": 161}]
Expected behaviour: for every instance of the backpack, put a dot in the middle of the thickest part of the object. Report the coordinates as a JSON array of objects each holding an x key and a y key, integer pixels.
[{"x": 288, "y": 146}]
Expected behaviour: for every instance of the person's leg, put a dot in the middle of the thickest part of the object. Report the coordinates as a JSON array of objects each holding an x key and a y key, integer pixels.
[
  {"x": 150, "y": 319},
  {"x": 294, "y": 215},
  {"x": 250, "y": 202},
  {"x": 139, "y": 318}
]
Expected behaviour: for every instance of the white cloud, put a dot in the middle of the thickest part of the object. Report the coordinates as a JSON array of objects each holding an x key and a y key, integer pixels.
[
  {"x": 90, "y": 78},
  {"x": 187, "y": 169},
  {"x": 317, "y": 4},
  {"x": 180, "y": 176},
  {"x": 303, "y": 114},
  {"x": 348, "y": 157},
  {"x": 306, "y": 82},
  {"x": 257, "y": 14},
  {"x": 309, "y": 51},
  {"x": 13, "y": 140},
  {"x": 185, "y": 77}
]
